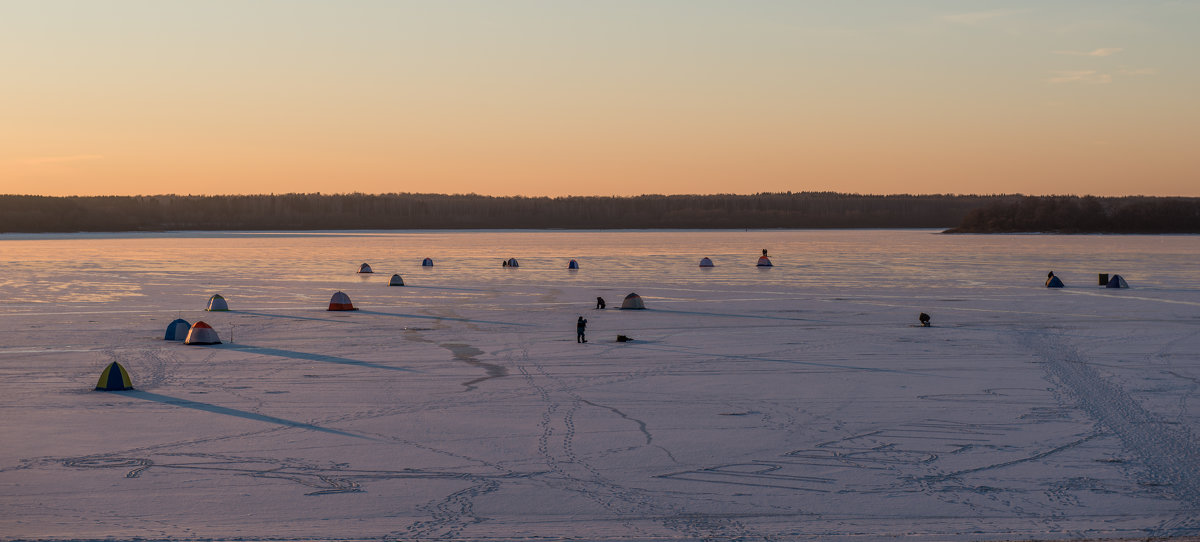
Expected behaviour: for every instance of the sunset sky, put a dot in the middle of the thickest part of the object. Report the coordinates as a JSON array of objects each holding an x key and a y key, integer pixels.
[{"x": 605, "y": 97}]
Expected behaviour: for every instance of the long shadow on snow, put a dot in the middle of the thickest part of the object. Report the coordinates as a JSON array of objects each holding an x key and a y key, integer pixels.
[
  {"x": 697, "y": 313},
  {"x": 206, "y": 407},
  {"x": 448, "y": 288},
  {"x": 292, "y": 317},
  {"x": 451, "y": 318},
  {"x": 793, "y": 361},
  {"x": 313, "y": 357}
]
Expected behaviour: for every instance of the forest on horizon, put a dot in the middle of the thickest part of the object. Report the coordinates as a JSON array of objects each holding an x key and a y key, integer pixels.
[{"x": 800, "y": 210}]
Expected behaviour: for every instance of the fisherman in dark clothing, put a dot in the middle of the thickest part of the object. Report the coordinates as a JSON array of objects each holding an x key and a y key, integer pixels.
[
  {"x": 579, "y": 327},
  {"x": 599, "y": 302}
]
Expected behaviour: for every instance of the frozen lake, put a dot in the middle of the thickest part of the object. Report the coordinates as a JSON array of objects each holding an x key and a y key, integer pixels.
[{"x": 796, "y": 402}]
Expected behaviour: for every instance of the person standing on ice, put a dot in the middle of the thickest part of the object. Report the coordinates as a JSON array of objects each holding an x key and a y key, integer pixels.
[{"x": 579, "y": 327}]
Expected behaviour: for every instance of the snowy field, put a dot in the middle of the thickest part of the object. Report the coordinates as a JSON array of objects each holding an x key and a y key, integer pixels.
[{"x": 802, "y": 401}]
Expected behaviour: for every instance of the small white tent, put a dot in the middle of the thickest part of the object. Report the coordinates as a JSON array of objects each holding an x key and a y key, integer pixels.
[
  {"x": 216, "y": 303},
  {"x": 633, "y": 301},
  {"x": 202, "y": 333}
]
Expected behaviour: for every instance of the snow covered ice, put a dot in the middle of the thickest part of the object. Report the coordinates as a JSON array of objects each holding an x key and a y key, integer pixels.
[{"x": 793, "y": 402}]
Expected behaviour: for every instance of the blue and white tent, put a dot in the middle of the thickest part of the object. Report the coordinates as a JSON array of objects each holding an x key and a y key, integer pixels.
[{"x": 177, "y": 330}]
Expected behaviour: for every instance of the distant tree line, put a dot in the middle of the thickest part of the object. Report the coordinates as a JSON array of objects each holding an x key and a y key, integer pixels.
[
  {"x": 1087, "y": 214},
  {"x": 435, "y": 211}
]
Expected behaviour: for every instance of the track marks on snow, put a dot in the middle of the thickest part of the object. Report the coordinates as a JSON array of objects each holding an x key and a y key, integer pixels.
[{"x": 1169, "y": 452}]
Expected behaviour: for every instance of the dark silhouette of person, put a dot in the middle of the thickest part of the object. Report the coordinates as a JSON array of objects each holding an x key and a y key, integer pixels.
[
  {"x": 504, "y": 263},
  {"x": 764, "y": 252},
  {"x": 579, "y": 328},
  {"x": 924, "y": 318},
  {"x": 599, "y": 302}
]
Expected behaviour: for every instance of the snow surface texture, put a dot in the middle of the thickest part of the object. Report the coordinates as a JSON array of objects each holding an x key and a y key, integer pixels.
[{"x": 801, "y": 401}]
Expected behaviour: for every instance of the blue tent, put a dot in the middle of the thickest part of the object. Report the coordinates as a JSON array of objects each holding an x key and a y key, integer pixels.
[
  {"x": 573, "y": 265},
  {"x": 427, "y": 262},
  {"x": 177, "y": 330},
  {"x": 1117, "y": 281},
  {"x": 1053, "y": 282},
  {"x": 512, "y": 262},
  {"x": 705, "y": 262}
]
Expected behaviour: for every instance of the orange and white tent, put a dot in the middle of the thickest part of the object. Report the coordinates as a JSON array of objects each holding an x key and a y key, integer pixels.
[
  {"x": 341, "y": 302},
  {"x": 202, "y": 333}
]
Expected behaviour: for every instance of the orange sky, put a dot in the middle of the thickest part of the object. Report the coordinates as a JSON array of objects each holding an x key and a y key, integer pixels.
[{"x": 608, "y": 98}]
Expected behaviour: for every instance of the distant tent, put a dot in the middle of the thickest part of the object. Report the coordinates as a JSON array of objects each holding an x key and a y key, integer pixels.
[
  {"x": 1054, "y": 282},
  {"x": 427, "y": 262},
  {"x": 114, "y": 378},
  {"x": 365, "y": 268},
  {"x": 764, "y": 261},
  {"x": 177, "y": 330},
  {"x": 633, "y": 301},
  {"x": 396, "y": 281},
  {"x": 705, "y": 262},
  {"x": 1117, "y": 281},
  {"x": 573, "y": 264},
  {"x": 202, "y": 333},
  {"x": 512, "y": 262},
  {"x": 217, "y": 303},
  {"x": 341, "y": 302}
]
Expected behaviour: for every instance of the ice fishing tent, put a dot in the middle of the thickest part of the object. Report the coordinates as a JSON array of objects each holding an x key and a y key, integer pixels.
[
  {"x": 705, "y": 262},
  {"x": 1054, "y": 282},
  {"x": 633, "y": 301},
  {"x": 341, "y": 302},
  {"x": 427, "y": 262},
  {"x": 217, "y": 303},
  {"x": 202, "y": 333},
  {"x": 177, "y": 330},
  {"x": 114, "y": 378},
  {"x": 1117, "y": 281},
  {"x": 512, "y": 262},
  {"x": 764, "y": 261},
  {"x": 573, "y": 264},
  {"x": 365, "y": 268},
  {"x": 396, "y": 281}
]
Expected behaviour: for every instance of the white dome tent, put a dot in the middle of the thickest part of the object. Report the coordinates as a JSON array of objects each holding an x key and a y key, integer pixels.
[{"x": 633, "y": 301}]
